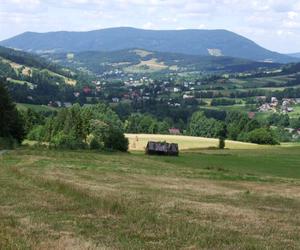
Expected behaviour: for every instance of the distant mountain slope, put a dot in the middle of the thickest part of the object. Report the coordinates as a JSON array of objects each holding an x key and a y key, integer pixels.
[
  {"x": 297, "y": 55},
  {"x": 137, "y": 60},
  {"x": 193, "y": 42}
]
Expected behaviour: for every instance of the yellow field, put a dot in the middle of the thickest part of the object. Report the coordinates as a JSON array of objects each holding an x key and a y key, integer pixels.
[
  {"x": 138, "y": 142},
  {"x": 151, "y": 65},
  {"x": 142, "y": 53}
]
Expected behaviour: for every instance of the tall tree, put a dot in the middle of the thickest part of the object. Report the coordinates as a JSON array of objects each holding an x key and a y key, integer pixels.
[{"x": 11, "y": 124}]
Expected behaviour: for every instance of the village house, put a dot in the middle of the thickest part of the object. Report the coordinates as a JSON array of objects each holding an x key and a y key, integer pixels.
[
  {"x": 251, "y": 115},
  {"x": 285, "y": 108},
  {"x": 274, "y": 102},
  {"x": 115, "y": 100},
  {"x": 67, "y": 104},
  {"x": 266, "y": 107},
  {"x": 186, "y": 96},
  {"x": 87, "y": 90},
  {"x": 76, "y": 94},
  {"x": 176, "y": 90}
]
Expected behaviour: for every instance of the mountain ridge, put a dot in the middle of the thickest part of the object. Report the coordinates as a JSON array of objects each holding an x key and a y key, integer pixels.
[
  {"x": 138, "y": 60},
  {"x": 296, "y": 55},
  {"x": 190, "y": 41}
]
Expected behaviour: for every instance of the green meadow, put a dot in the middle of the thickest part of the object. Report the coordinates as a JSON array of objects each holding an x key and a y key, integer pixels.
[{"x": 203, "y": 199}]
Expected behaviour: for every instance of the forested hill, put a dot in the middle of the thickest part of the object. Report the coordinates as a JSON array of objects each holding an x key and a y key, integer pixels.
[
  {"x": 295, "y": 55},
  {"x": 143, "y": 61},
  {"x": 193, "y": 42},
  {"x": 16, "y": 57},
  {"x": 33, "y": 79}
]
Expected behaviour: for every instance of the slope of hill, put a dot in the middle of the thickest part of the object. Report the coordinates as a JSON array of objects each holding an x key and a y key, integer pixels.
[
  {"x": 32, "y": 79},
  {"x": 296, "y": 55},
  {"x": 15, "y": 63},
  {"x": 137, "y": 60},
  {"x": 194, "y": 42}
]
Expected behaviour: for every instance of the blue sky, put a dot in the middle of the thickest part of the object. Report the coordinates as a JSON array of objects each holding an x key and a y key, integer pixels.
[{"x": 274, "y": 24}]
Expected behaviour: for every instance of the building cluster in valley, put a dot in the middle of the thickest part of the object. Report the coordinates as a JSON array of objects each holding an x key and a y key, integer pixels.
[
  {"x": 172, "y": 91},
  {"x": 284, "y": 106}
]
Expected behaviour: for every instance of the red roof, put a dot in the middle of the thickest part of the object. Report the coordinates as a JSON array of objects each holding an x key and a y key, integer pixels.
[
  {"x": 87, "y": 90},
  {"x": 251, "y": 115}
]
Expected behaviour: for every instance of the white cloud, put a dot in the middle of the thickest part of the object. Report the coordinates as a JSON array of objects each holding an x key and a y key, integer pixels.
[{"x": 292, "y": 15}]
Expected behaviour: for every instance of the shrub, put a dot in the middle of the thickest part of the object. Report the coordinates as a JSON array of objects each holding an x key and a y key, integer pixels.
[
  {"x": 67, "y": 141},
  {"x": 94, "y": 144},
  {"x": 221, "y": 143},
  {"x": 200, "y": 125},
  {"x": 282, "y": 135},
  {"x": 36, "y": 134},
  {"x": 262, "y": 136},
  {"x": 116, "y": 140}
]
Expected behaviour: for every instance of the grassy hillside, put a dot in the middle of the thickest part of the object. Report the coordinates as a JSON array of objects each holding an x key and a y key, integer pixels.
[
  {"x": 200, "y": 42},
  {"x": 144, "y": 61},
  {"x": 233, "y": 199}
]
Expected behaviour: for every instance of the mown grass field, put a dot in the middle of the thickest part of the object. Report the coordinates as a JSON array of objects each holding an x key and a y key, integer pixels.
[
  {"x": 138, "y": 142},
  {"x": 206, "y": 199}
]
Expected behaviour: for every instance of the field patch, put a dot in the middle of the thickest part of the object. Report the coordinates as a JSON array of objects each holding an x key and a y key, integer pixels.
[
  {"x": 148, "y": 65},
  {"x": 142, "y": 53},
  {"x": 138, "y": 142}
]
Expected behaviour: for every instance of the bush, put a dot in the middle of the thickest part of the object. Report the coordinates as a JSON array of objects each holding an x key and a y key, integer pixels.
[
  {"x": 116, "y": 140},
  {"x": 262, "y": 136},
  {"x": 67, "y": 141},
  {"x": 221, "y": 143},
  {"x": 282, "y": 135},
  {"x": 36, "y": 134},
  {"x": 200, "y": 125},
  {"x": 94, "y": 144}
]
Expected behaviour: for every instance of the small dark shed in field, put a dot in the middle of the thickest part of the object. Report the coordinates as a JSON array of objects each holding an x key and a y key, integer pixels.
[{"x": 162, "y": 148}]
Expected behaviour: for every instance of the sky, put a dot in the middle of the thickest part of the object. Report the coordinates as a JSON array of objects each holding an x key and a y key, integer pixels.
[{"x": 273, "y": 24}]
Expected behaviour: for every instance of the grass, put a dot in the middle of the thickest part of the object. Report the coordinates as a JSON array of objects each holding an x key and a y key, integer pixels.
[
  {"x": 138, "y": 142},
  {"x": 29, "y": 84},
  {"x": 296, "y": 113},
  {"x": 205, "y": 199},
  {"x": 38, "y": 108}
]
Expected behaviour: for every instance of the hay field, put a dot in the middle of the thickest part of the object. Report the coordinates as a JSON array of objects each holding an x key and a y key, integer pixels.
[{"x": 138, "y": 142}]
